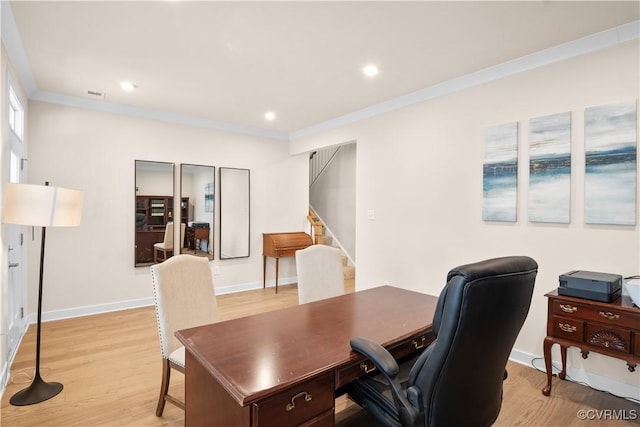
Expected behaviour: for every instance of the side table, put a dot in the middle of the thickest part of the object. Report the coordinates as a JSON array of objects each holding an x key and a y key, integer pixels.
[{"x": 612, "y": 329}]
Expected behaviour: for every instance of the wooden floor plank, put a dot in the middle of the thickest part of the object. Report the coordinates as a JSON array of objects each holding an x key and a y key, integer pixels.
[{"x": 111, "y": 368}]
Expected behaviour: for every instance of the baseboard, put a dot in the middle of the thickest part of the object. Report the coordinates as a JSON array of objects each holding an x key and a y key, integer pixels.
[
  {"x": 144, "y": 302},
  {"x": 4, "y": 378},
  {"x": 6, "y": 369},
  {"x": 580, "y": 376}
]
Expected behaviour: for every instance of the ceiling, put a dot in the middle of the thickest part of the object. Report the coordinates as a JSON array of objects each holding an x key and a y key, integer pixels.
[{"x": 230, "y": 62}]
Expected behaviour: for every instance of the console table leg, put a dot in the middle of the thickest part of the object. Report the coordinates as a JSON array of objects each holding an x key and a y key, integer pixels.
[
  {"x": 264, "y": 272},
  {"x": 277, "y": 259},
  {"x": 563, "y": 357},
  {"x": 548, "y": 342}
]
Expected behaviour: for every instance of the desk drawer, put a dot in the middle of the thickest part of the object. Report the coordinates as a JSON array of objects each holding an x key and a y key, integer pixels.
[
  {"x": 608, "y": 316},
  {"x": 284, "y": 253},
  {"x": 636, "y": 340},
  {"x": 609, "y": 338},
  {"x": 568, "y": 328},
  {"x": 360, "y": 368},
  {"x": 324, "y": 420},
  {"x": 296, "y": 405}
]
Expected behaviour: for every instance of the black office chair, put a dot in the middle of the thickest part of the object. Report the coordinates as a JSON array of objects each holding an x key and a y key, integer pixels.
[{"x": 457, "y": 380}]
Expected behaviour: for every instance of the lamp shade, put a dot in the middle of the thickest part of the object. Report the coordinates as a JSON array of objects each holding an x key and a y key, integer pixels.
[{"x": 41, "y": 205}]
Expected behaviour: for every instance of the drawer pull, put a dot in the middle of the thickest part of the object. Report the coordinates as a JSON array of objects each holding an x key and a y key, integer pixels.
[
  {"x": 418, "y": 345},
  {"x": 568, "y": 308},
  {"x": 292, "y": 405},
  {"x": 567, "y": 327},
  {"x": 609, "y": 315},
  {"x": 367, "y": 369}
]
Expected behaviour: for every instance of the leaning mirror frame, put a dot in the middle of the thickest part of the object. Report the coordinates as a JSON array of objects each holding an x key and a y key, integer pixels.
[
  {"x": 197, "y": 209},
  {"x": 234, "y": 200},
  {"x": 153, "y": 204}
]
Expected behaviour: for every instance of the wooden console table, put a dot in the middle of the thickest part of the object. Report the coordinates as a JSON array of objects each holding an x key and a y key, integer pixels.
[
  {"x": 284, "y": 368},
  {"x": 612, "y": 329}
]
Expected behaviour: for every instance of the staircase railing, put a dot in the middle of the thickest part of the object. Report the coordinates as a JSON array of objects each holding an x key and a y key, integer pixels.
[{"x": 318, "y": 162}]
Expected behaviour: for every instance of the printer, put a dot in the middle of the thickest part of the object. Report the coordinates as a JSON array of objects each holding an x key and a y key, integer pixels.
[{"x": 591, "y": 285}]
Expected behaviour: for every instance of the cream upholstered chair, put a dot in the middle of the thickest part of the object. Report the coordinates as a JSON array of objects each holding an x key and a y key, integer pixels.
[
  {"x": 184, "y": 297},
  {"x": 166, "y": 246},
  {"x": 320, "y": 273}
]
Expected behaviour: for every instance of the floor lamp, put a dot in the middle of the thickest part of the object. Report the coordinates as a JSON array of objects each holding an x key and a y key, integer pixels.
[{"x": 44, "y": 206}]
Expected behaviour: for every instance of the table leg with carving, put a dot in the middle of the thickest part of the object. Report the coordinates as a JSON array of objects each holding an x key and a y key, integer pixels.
[{"x": 548, "y": 343}]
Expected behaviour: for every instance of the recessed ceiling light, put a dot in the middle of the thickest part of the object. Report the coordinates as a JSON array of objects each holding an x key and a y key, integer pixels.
[
  {"x": 128, "y": 86},
  {"x": 270, "y": 115},
  {"x": 370, "y": 70}
]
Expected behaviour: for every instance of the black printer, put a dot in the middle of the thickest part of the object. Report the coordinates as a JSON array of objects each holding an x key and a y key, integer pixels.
[{"x": 591, "y": 285}]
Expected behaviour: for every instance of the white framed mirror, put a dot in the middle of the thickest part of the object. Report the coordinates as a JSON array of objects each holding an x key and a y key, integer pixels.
[
  {"x": 154, "y": 192},
  {"x": 197, "y": 205},
  {"x": 234, "y": 212}
]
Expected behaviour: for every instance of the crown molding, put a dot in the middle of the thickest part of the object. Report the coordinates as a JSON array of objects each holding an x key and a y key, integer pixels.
[
  {"x": 605, "y": 39},
  {"x": 127, "y": 110}
]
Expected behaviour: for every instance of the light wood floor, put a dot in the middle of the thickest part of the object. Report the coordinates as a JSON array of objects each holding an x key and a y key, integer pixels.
[{"x": 110, "y": 367}]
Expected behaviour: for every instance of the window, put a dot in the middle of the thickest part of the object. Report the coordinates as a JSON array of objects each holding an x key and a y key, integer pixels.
[{"x": 16, "y": 114}]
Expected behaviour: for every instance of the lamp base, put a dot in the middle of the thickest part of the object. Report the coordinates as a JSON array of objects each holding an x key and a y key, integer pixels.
[{"x": 37, "y": 392}]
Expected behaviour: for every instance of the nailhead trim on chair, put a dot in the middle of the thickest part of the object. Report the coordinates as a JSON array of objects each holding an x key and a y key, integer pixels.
[{"x": 155, "y": 300}]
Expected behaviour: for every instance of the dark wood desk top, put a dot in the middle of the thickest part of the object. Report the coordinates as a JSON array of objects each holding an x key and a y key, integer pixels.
[{"x": 256, "y": 356}]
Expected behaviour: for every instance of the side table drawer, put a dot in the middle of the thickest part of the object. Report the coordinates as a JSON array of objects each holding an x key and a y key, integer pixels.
[
  {"x": 609, "y": 338},
  {"x": 608, "y": 315},
  {"x": 571, "y": 329},
  {"x": 636, "y": 340},
  {"x": 296, "y": 405}
]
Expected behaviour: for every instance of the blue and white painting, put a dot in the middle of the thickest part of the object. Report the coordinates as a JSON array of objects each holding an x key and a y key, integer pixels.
[
  {"x": 550, "y": 168},
  {"x": 500, "y": 173},
  {"x": 610, "y": 164}
]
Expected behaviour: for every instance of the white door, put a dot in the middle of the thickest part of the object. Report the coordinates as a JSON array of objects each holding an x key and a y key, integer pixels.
[{"x": 15, "y": 234}]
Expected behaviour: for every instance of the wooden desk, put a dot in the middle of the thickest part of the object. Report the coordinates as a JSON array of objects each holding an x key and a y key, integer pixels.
[
  {"x": 612, "y": 329},
  {"x": 145, "y": 239},
  {"x": 284, "y": 368}
]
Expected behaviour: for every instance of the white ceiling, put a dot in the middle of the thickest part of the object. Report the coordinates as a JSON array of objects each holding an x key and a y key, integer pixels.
[{"x": 230, "y": 62}]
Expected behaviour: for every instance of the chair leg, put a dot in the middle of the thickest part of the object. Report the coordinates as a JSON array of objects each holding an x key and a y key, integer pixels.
[{"x": 164, "y": 387}]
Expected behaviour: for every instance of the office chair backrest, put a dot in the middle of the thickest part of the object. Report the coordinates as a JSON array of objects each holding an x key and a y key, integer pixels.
[
  {"x": 184, "y": 297},
  {"x": 320, "y": 274},
  {"x": 478, "y": 317}
]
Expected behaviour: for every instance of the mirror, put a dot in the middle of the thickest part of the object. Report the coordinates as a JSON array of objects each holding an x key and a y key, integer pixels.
[
  {"x": 154, "y": 191},
  {"x": 234, "y": 213},
  {"x": 197, "y": 206}
]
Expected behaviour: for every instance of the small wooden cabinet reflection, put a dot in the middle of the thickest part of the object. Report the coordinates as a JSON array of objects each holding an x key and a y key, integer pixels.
[{"x": 197, "y": 239}]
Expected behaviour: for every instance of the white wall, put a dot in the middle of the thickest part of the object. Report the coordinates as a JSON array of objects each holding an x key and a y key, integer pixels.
[
  {"x": 420, "y": 168},
  {"x": 90, "y": 268}
]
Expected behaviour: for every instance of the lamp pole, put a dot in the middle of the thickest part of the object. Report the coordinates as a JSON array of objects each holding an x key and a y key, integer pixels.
[{"x": 39, "y": 390}]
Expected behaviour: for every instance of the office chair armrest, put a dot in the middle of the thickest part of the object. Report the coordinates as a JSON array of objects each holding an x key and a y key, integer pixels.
[
  {"x": 387, "y": 365},
  {"x": 379, "y": 355}
]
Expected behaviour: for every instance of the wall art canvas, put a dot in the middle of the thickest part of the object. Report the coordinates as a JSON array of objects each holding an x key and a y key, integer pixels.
[
  {"x": 208, "y": 197},
  {"x": 550, "y": 168},
  {"x": 500, "y": 173},
  {"x": 610, "y": 141}
]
